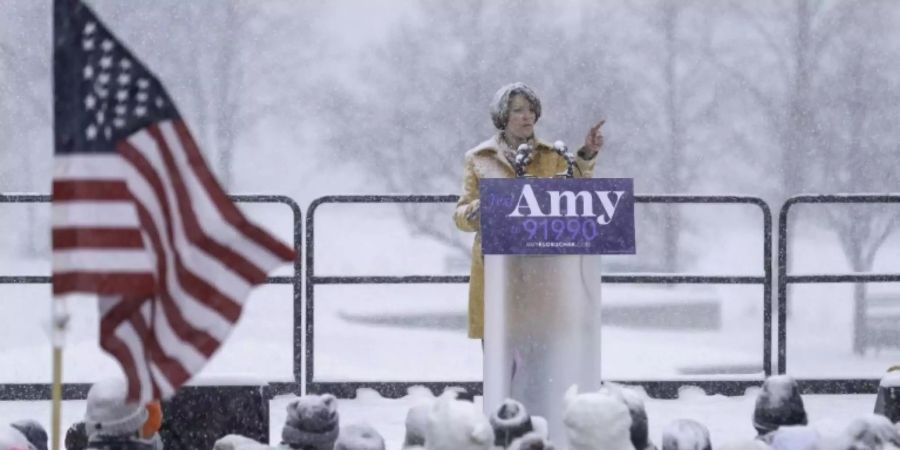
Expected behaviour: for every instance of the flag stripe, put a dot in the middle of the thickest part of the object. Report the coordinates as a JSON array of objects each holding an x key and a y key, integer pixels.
[
  {"x": 151, "y": 183},
  {"x": 109, "y": 238},
  {"x": 94, "y": 214},
  {"x": 69, "y": 238},
  {"x": 90, "y": 189},
  {"x": 208, "y": 214},
  {"x": 171, "y": 368},
  {"x": 197, "y": 312},
  {"x": 117, "y": 312},
  {"x": 228, "y": 210},
  {"x": 199, "y": 289},
  {"x": 108, "y": 283},
  {"x": 248, "y": 271},
  {"x": 196, "y": 336},
  {"x": 101, "y": 260}
]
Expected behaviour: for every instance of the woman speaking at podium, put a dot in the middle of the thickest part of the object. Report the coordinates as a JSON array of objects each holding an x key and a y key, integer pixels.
[{"x": 514, "y": 111}]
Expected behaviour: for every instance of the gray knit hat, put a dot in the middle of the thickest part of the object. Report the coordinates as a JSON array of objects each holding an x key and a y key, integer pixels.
[
  {"x": 359, "y": 437},
  {"x": 109, "y": 414},
  {"x": 312, "y": 422}
]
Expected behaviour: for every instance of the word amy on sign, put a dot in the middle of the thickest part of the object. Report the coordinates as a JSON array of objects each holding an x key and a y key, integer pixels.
[{"x": 568, "y": 204}]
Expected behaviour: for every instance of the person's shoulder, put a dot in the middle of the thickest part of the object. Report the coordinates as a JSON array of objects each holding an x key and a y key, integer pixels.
[{"x": 489, "y": 146}]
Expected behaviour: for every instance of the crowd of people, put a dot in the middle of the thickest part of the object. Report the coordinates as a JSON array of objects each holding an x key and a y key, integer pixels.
[{"x": 611, "y": 418}]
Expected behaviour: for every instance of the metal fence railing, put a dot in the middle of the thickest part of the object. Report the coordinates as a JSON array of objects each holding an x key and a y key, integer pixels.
[
  {"x": 655, "y": 388},
  {"x": 822, "y": 386}
]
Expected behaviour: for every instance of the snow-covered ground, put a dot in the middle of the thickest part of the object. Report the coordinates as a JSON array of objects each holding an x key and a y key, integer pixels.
[{"x": 353, "y": 240}]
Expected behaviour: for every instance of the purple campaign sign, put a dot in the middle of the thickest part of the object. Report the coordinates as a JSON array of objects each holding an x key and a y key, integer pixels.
[{"x": 557, "y": 216}]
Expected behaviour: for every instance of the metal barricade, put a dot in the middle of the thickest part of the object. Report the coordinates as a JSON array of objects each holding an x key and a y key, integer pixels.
[
  {"x": 822, "y": 386},
  {"x": 655, "y": 388}
]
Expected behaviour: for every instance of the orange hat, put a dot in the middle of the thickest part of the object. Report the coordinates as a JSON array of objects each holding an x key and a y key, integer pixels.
[{"x": 154, "y": 419}]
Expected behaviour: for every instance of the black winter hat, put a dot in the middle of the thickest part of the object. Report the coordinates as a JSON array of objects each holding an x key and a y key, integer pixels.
[
  {"x": 33, "y": 431},
  {"x": 510, "y": 421},
  {"x": 76, "y": 437},
  {"x": 887, "y": 403},
  {"x": 778, "y": 404}
]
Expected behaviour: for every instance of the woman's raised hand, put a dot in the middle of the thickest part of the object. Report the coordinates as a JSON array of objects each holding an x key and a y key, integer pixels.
[{"x": 594, "y": 140}]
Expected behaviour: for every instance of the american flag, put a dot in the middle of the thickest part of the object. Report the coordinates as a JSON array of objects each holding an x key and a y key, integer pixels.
[{"x": 138, "y": 218}]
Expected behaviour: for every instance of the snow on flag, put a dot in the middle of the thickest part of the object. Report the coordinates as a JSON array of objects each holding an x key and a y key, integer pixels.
[{"x": 138, "y": 218}]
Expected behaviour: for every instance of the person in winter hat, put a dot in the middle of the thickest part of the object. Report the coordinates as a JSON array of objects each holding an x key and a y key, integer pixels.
[
  {"x": 887, "y": 402},
  {"x": 33, "y": 431},
  {"x": 113, "y": 423},
  {"x": 795, "y": 437},
  {"x": 511, "y": 421},
  {"x": 515, "y": 110},
  {"x": 778, "y": 404},
  {"x": 685, "y": 434},
  {"x": 359, "y": 437},
  {"x": 596, "y": 421},
  {"x": 640, "y": 435},
  {"x": 457, "y": 425},
  {"x": 312, "y": 423}
]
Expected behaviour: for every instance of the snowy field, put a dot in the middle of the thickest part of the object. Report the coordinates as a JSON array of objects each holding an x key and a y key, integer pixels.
[{"x": 350, "y": 345}]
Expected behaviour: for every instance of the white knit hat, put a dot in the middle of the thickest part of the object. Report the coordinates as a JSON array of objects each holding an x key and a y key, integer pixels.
[{"x": 109, "y": 414}]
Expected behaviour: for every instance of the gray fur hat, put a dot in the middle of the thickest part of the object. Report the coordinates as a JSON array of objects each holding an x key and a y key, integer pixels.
[
  {"x": 500, "y": 104},
  {"x": 312, "y": 422}
]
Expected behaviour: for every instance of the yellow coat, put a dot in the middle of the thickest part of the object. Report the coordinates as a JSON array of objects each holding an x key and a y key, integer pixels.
[{"x": 487, "y": 160}]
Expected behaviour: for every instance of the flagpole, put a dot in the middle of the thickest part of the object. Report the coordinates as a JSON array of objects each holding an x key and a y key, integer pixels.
[{"x": 60, "y": 318}]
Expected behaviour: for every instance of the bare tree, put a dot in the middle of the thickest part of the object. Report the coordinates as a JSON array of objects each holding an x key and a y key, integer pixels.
[
  {"x": 671, "y": 78},
  {"x": 859, "y": 141}
]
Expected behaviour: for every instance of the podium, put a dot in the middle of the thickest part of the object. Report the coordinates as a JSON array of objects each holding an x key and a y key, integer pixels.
[{"x": 542, "y": 240}]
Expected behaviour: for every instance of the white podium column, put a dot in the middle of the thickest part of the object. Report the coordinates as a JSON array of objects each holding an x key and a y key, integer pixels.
[{"x": 542, "y": 331}]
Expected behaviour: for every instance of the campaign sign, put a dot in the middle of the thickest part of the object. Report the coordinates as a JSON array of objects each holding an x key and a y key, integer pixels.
[{"x": 557, "y": 216}]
